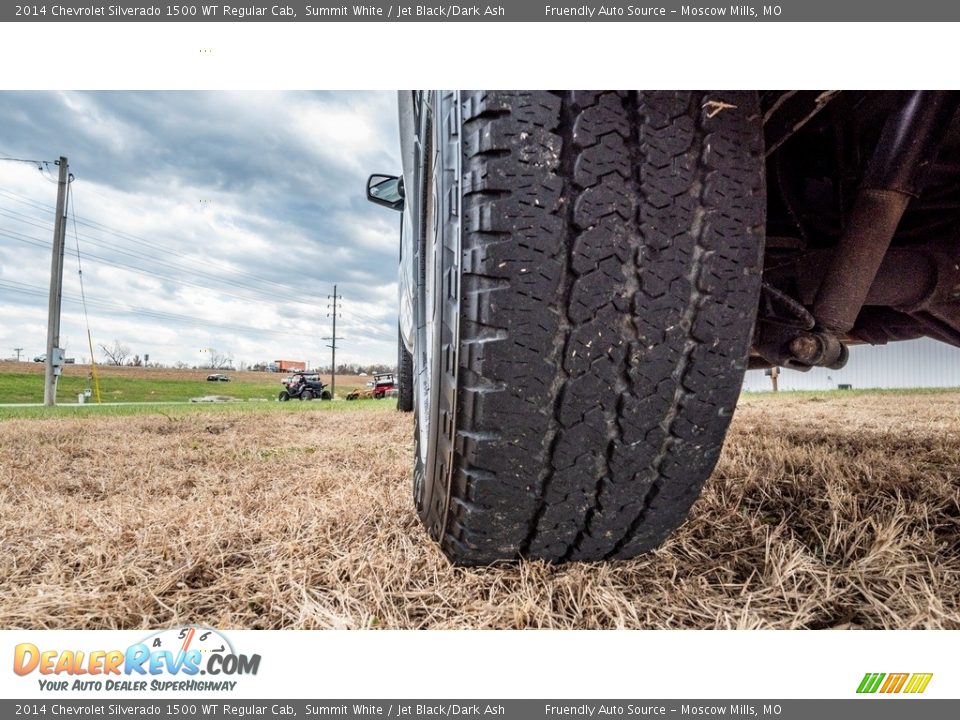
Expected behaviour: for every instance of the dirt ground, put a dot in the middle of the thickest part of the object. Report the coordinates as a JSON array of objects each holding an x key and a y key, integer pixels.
[{"x": 841, "y": 511}]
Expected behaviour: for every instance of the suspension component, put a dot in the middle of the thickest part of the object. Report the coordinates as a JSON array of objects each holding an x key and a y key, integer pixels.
[{"x": 907, "y": 146}]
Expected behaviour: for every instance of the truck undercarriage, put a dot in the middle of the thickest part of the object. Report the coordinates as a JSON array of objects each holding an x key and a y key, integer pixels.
[{"x": 862, "y": 246}]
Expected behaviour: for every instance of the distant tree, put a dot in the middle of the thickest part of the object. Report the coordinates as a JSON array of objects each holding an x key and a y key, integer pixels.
[
  {"x": 219, "y": 361},
  {"x": 181, "y": 365},
  {"x": 117, "y": 354},
  {"x": 135, "y": 361}
]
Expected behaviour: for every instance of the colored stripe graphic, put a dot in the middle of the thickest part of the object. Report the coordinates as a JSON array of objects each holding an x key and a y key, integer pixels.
[
  {"x": 918, "y": 682},
  {"x": 894, "y": 683},
  {"x": 870, "y": 682}
]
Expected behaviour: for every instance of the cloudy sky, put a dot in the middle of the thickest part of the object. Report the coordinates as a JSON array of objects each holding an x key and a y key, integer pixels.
[{"x": 205, "y": 220}]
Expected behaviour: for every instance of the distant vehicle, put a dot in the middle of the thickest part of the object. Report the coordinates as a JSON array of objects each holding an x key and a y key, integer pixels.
[
  {"x": 383, "y": 385},
  {"x": 70, "y": 361},
  {"x": 40, "y": 358},
  {"x": 289, "y": 365},
  {"x": 217, "y": 378},
  {"x": 303, "y": 387}
]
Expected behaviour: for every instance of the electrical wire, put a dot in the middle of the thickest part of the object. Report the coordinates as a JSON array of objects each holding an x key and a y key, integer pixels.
[
  {"x": 97, "y": 303},
  {"x": 38, "y": 242},
  {"x": 271, "y": 295},
  {"x": 38, "y": 163},
  {"x": 139, "y": 240},
  {"x": 83, "y": 294},
  {"x": 26, "y": 220}
]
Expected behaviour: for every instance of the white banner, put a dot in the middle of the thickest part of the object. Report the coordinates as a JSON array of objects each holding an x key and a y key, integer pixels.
[{"x": 456, "y": 664}]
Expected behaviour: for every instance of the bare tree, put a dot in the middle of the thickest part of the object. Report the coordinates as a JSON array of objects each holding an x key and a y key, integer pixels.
[
  {"x": 181, "y": 365},
  {"x": 220, "y": 361},
  {"x": 117, "y": 354}
]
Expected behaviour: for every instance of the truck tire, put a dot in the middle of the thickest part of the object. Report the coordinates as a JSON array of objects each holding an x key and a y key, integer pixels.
[
  {"x": 404, "y": 377},
  {"x": 589, "y": 274}
]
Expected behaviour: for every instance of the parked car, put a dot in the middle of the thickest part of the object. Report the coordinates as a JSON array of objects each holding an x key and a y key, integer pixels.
[
  {"x": 586, "y": 276},
  {"x": 40, "y": 358},
  {"x": 218, "y": 378}
]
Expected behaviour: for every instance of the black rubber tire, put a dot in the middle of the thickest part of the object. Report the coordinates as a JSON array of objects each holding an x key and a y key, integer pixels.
[
  {"x": 326, "y": 395},
  {"x": 598, "y": 260},
  {"x": 306, "y": 395},
  {"x": 284, "y": 396},
  {"x": 404, "y": 377}
]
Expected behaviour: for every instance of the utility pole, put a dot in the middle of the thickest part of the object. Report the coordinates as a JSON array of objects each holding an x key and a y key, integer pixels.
[
  {"x": 54, "y": 360},
  {"x": 333, "y": 344},
  {"x": 18, "y": 351}
]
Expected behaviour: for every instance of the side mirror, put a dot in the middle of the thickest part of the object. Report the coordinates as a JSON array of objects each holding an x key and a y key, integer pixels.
[{"x": 386, "y": 190}]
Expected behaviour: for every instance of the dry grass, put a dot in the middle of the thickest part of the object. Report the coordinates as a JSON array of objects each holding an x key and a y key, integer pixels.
[{"x": 839, "y": 512}]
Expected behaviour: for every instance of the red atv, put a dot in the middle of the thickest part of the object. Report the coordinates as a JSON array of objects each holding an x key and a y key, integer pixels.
[{"x": 383, "y": 385}]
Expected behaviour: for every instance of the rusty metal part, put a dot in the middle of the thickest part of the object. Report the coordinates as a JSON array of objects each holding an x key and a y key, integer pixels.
[
  {"x": 819, "y": 349},
  {"x": 915, "y": 292},
  {"x": 805, "y": 348},
  {"x": 778, "y": 307},
  {"x": 790, "y": 347},
  {"x": 863, "y": 245},
  {"x": 906, "y": 276},
  {"x": 907, "y": 146}
]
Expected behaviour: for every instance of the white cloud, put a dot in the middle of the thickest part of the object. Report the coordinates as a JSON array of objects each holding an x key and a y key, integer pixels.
[{"x": 238, "y": 210}]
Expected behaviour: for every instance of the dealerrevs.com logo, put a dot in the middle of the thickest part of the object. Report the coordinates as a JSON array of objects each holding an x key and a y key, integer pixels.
[
  {"x": 891, "y": 683},
  {"x": 168, "y": 660}
]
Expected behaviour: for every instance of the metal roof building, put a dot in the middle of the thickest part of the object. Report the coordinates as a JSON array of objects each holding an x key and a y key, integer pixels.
[{"x": 910, "y": 364}]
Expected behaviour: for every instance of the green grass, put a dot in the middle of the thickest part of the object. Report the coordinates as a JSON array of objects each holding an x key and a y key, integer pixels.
[
  {"x": 95, "y": 411},
  {"x": 28, "y": 387}
]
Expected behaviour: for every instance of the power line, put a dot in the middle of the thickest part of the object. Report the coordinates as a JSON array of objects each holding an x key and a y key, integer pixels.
[
  {"x": 30, "y": 240},
  {"x": 263, "y": 294},
  {"x": 37, "y": 242},
  {"x": 38, "y": 163},
  {"x": 83, "y": 294},
  {"x": 139, "y": 240},
  {"x": 36, "y": 290},
  {"x": 136, "y": 240},
  {"x": 25, "y": 219},
  {"x": 295, "y": 297}
]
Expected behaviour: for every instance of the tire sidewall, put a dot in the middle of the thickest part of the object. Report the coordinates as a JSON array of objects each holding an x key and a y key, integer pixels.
[{"x": 439, "y": 244}]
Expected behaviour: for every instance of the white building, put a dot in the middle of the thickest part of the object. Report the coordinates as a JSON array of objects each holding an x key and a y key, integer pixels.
[{"x": 909, "y": 364}]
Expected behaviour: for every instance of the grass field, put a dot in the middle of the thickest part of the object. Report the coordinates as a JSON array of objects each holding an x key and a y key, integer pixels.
[
  {"x": 23, "y": 383},
  {"x": 825, "y": 511}
]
